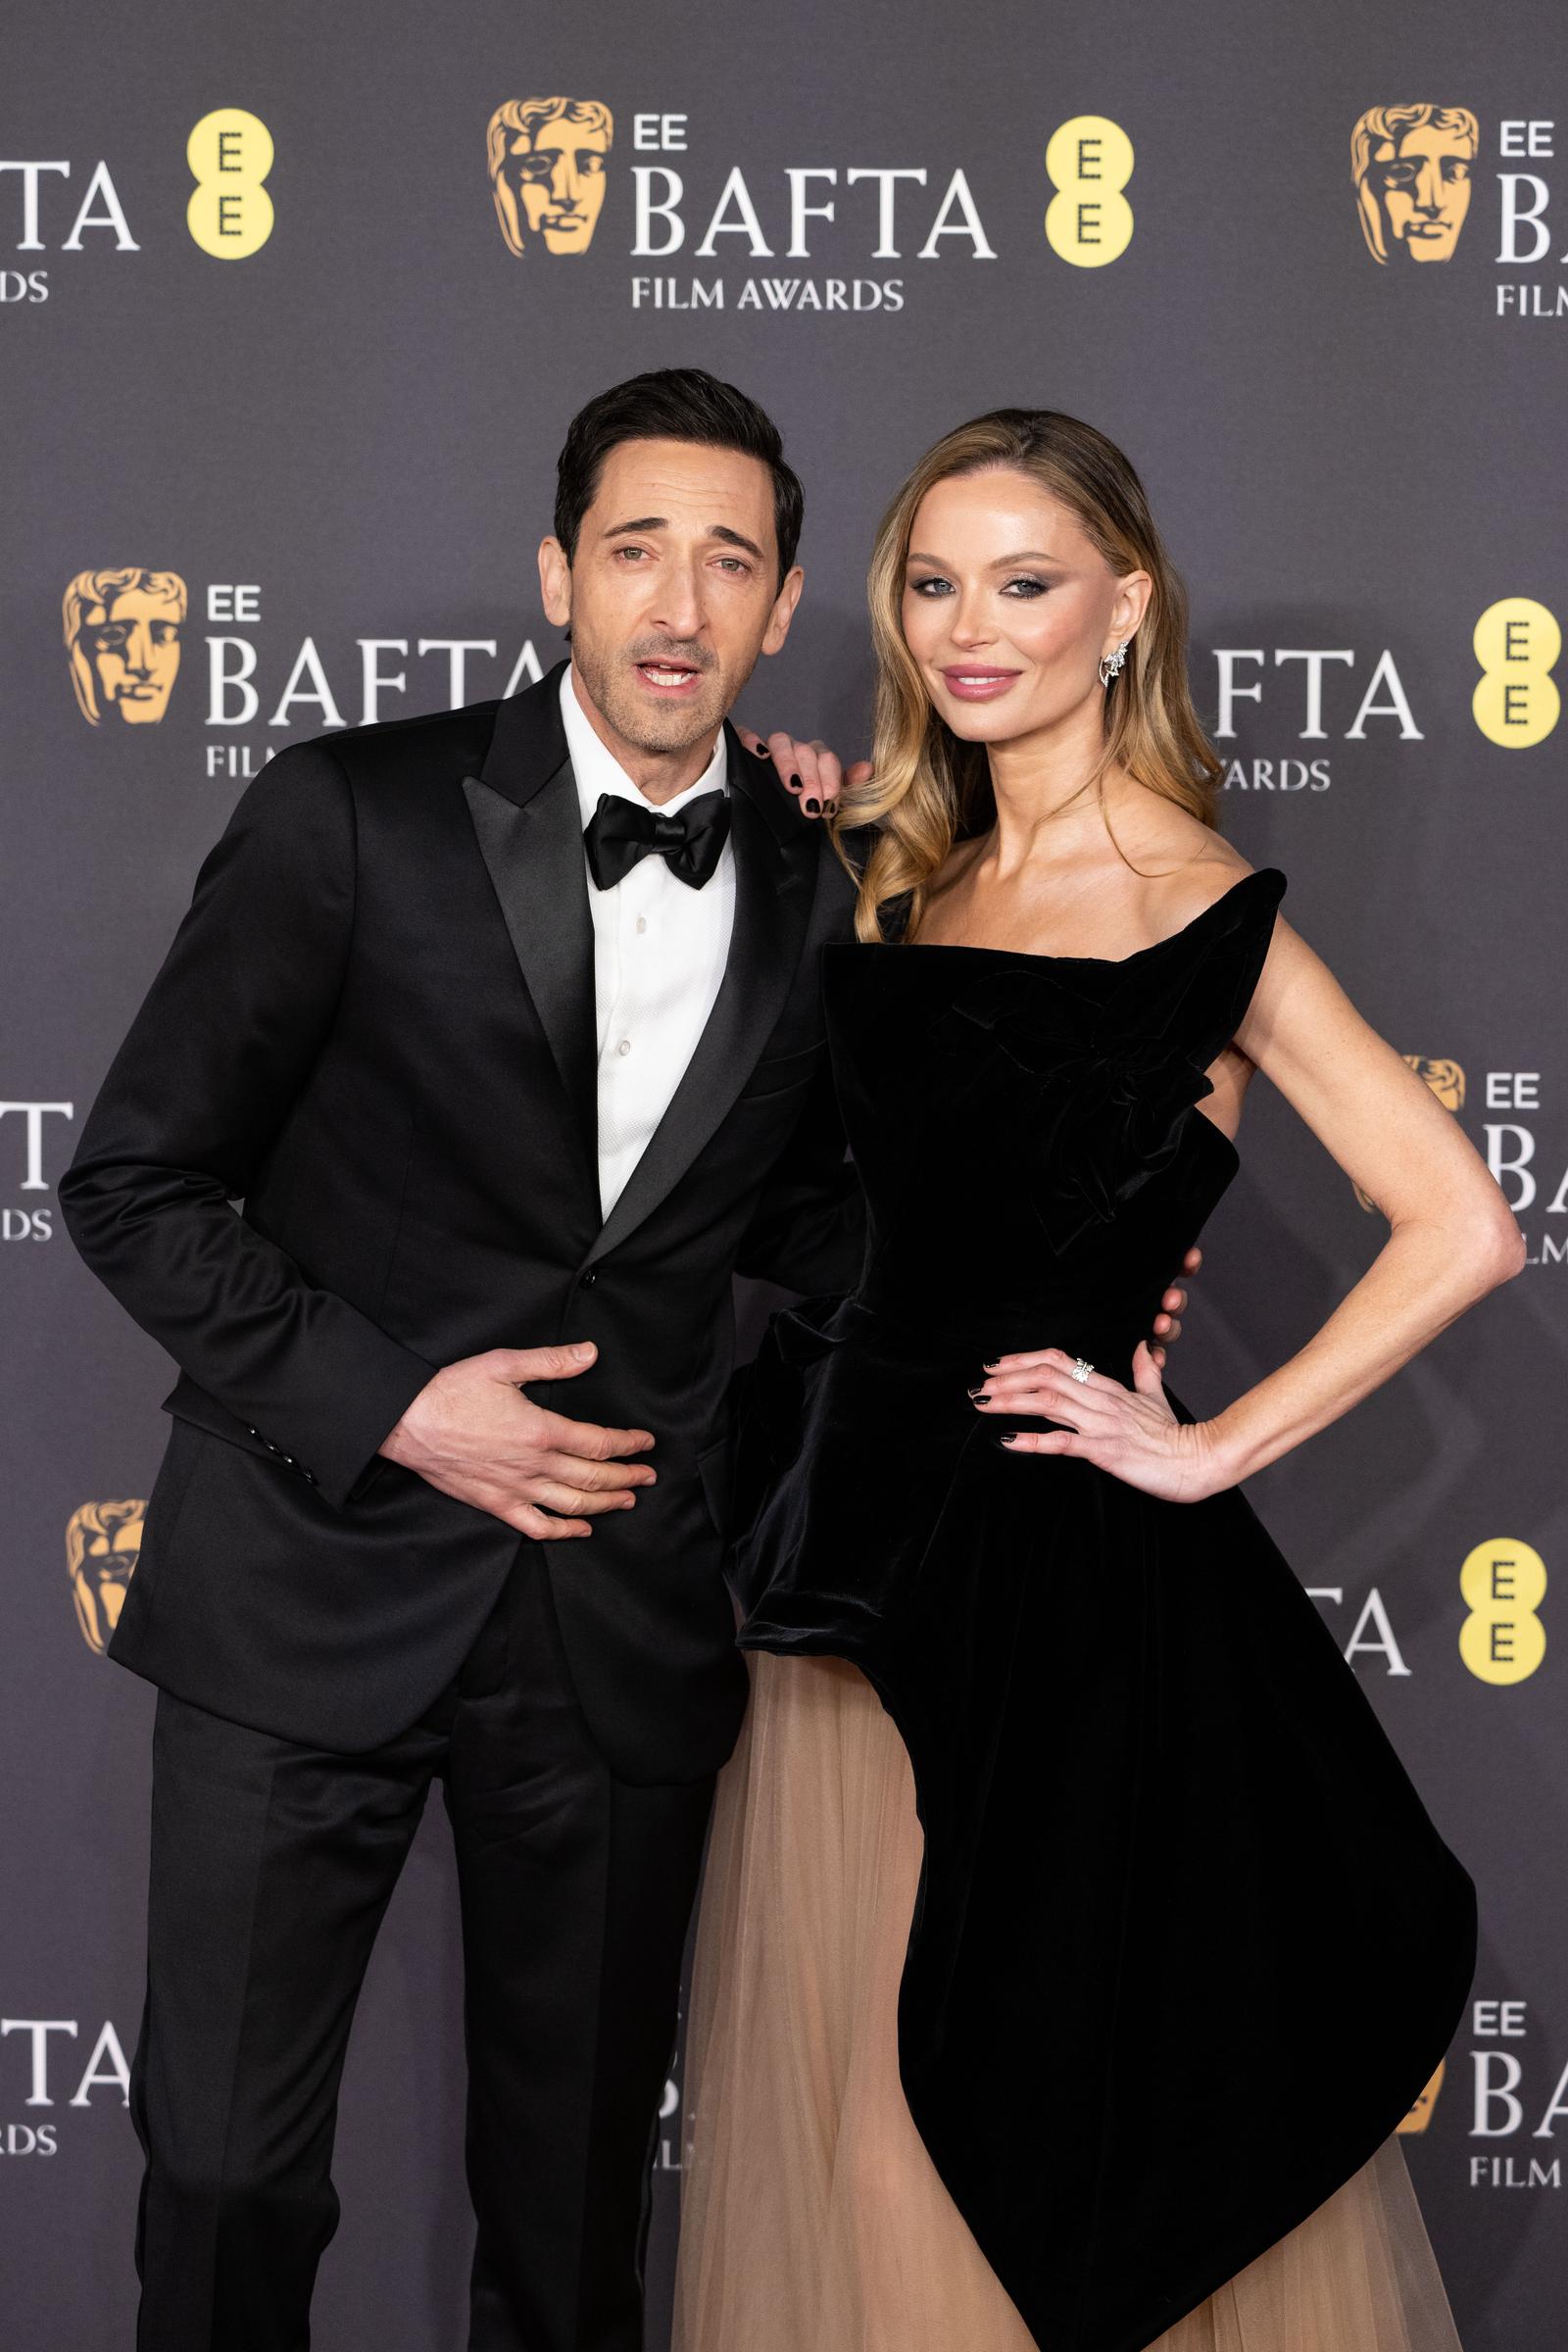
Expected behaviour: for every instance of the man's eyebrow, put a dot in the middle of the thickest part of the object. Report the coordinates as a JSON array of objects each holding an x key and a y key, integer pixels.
[
  {"x": 721, "y": 530},
  {"x": 660, "y": 522}
]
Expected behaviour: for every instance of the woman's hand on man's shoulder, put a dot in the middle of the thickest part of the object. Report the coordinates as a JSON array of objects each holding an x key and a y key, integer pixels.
[{"x": 811, "y": 774}]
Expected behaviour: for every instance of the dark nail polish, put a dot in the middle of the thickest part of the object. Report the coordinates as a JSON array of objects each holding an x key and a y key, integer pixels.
[
  {"x": 981, "y": 1396},
  {"x": 814, "y": 808},
  {"x": 1008, "y": 1437},
  {"x": 991, "y": 1362},
  {"x": 976, "y": 1393},
  {"x": 795, "y": 783},
  {"x": 762, "y": 750}
]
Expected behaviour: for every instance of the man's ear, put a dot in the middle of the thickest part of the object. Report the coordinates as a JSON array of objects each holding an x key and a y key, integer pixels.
[
  {"x": 554, "y": 582},
  {"x": 783, "y": 612}
]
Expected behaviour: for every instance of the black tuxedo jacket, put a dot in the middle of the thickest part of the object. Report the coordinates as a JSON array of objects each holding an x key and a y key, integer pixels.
[{"x": 375, "y": 1029}]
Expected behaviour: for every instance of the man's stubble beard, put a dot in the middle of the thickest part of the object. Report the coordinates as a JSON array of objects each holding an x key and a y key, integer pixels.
[{"x": 645, "y": 726}]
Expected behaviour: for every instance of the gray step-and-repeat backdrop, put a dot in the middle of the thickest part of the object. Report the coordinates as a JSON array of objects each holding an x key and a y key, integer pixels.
[{"x": 295, "y": 305}]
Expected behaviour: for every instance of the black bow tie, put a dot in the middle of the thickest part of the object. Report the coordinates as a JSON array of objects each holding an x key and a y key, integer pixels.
[{"x": 618, "y": 833}]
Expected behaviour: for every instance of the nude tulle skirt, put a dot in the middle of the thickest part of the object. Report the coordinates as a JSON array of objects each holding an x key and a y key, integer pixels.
[{"x": 812, "y": 2219}]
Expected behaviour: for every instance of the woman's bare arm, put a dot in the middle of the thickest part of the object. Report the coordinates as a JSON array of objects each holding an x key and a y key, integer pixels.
[{"x": 1452, "y": 1239}]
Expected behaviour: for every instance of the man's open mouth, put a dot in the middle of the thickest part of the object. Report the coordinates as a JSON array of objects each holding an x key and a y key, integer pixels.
[{"x": 669, "y": 677}]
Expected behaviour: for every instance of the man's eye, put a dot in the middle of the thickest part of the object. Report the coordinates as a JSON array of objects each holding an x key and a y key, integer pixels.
[
  {"x": 629, "y": 553},
  {"x": 734, "y": 563}
]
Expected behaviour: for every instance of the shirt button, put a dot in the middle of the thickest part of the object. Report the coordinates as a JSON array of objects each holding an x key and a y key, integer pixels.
[
  {"x": 642, "y": 922},
  {"x": 624, "y": 1046}
]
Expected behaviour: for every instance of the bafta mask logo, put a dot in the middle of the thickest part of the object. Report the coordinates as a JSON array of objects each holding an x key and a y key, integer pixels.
[
  {"x": 103, "y": 1543},
  {"x": 1411, "y": 167},
  {"x": 1446, "y": 1081},
  {"x": 123, "y": 643},
  {"x": 547, "y": 171},
  {"x": 1420, "y": 2114}
]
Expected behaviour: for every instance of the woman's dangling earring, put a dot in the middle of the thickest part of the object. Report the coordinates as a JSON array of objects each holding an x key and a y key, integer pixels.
[{"x": 1110, "y": 663}]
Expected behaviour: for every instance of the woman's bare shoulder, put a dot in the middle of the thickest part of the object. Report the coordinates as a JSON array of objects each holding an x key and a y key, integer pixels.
[{"x": 1183, "y": 864}]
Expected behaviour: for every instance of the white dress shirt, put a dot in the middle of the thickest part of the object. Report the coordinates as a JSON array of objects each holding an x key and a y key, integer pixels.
[{"x": 660, "y": 951}]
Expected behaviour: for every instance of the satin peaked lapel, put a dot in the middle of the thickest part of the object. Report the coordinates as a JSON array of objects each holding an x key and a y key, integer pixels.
[
  {"x": 529, "y": 828},
  {"x": 777, "y": 852}
]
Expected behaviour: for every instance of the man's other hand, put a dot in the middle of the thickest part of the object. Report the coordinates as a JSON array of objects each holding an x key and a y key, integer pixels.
[
  {"x": 474, "y": 1435},
  {"x": 1167, "y": 1326}
]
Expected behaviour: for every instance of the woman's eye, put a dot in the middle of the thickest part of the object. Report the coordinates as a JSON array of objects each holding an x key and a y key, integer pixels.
[
  {"x": 1025, "y": 588},
  {"x": 935, "y": 587}
]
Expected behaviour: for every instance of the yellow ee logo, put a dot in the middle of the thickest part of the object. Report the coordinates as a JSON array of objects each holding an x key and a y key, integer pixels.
[
  {"x": 229, "y": 214},
  {"x": 1516, "y": 701},
  {"x": 1503, "y": 1640},
  {"x": 1089, "y": 161}
]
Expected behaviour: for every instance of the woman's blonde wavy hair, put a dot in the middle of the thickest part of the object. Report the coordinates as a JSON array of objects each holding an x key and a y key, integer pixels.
[{"x": 927, "y": 788}]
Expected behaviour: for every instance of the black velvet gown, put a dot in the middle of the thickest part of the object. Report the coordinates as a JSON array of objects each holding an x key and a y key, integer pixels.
[{"x": 1185, "y": 1946}]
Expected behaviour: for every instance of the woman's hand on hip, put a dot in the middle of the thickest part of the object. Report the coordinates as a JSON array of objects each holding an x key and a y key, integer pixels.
[{"x": 1131, "y": 1433}]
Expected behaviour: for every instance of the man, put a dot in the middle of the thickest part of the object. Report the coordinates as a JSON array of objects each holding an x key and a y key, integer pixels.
[{"x": 505, "y": 1024}]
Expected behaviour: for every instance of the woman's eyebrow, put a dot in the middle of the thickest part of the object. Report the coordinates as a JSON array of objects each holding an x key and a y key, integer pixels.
[{"x": 1027, "y": 555}]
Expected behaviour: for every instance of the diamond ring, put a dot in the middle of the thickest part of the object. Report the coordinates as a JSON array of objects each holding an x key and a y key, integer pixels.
[{"x": 1080, "y": 1370}]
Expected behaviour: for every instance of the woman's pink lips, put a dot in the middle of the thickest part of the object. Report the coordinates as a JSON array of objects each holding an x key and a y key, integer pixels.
[{"x": 976, "y": 683}]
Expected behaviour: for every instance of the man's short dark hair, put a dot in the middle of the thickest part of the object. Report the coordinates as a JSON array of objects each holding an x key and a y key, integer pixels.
[{"x": 673, "y": 403}]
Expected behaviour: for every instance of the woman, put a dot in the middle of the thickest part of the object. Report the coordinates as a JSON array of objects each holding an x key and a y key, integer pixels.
[{"x": 1042, "y": 1721}]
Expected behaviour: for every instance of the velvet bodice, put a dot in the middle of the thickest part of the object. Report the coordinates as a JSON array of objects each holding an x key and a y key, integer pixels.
[{"x": 1026, "y": 1126}]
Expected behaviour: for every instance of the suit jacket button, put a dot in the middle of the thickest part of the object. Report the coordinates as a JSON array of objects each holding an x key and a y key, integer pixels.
[{"x": 586, "y": 1281}]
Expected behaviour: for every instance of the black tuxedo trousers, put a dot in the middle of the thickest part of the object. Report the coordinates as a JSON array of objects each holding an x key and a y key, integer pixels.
[
  {"x": 350, "y": 1139},
  {"x": 272, "y": 1865}
]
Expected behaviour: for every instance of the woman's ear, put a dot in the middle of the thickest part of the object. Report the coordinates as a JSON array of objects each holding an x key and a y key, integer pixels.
[{"x": 1133, "y": 594}]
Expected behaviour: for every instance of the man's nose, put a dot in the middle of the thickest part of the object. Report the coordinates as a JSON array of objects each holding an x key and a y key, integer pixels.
[{"x": 678, "y": 607}]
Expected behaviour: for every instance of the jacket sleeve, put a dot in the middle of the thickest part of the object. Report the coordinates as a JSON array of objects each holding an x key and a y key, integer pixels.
[
  {"x": 808, "y": 1231},
  {"x": 195, "y": 1098}
]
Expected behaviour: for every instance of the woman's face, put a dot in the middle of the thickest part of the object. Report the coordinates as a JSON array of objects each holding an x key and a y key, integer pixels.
[{"x": 1008, "y": 606}]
